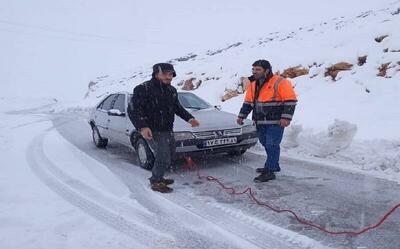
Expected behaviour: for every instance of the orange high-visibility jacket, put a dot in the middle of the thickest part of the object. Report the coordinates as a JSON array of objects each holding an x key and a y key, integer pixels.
[{"x": 276, "y": 100}]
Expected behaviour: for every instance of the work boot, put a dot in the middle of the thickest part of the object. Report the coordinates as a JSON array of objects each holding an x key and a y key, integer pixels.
[
  {"x": 161, "y": 187},
  {"x": 167, "y": 181},
  {"x": 265, "y": 177}
]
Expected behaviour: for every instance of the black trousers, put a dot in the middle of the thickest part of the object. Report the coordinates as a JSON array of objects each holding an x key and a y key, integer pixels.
[{"x": 163, "y": 147}]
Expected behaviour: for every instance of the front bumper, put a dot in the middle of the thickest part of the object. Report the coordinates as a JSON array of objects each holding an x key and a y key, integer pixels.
[{"x": 195, "y": 146}]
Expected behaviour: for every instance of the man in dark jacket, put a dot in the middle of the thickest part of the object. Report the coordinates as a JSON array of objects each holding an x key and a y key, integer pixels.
[{"x": 153, "y": 107}]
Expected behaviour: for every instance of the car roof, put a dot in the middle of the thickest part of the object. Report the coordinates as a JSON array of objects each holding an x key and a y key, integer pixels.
[
  {"x": 129, "y": 93},
  {"x": 125, "y": 92}
]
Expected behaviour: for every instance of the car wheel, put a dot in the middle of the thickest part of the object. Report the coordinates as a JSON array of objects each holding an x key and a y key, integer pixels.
[
  {"x": 145, "y": 156},
  {"x": 97, "y": 139},
  {"x": 237, "y": 152}
]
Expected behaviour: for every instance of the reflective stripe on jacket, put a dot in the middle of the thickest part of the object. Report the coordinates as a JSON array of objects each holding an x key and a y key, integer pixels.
[{"x": 276, "y": 100}]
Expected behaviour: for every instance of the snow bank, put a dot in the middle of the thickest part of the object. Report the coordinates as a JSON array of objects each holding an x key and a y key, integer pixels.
[{"x": 337, "y": 147}]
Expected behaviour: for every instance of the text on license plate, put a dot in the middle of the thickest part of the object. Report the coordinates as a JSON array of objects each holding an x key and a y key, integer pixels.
[{"x": 220, "y": 141}]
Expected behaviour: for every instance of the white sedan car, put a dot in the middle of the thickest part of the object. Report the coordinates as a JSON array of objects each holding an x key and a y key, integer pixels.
[{"x": 217, "y": 133}]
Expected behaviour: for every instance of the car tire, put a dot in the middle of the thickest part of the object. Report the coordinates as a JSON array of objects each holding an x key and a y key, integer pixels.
[
  {"x": 97, "y": 139},
  {"x": 237, "y": 152},
  {"x": 145, "y": 156}
]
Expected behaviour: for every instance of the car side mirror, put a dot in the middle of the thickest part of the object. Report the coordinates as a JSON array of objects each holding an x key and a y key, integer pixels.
[
  {"x": 218, "y": 107},
  {"x": 116, "y": 112}
]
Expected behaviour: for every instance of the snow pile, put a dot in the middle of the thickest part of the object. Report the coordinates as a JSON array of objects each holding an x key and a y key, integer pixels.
[
  {"x": 337, "y": 147},
  {"x": 339, "y": 137}
]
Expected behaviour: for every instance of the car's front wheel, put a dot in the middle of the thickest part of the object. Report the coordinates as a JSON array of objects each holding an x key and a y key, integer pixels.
[
  {"x": 97, "y": 139},
  {"x": 145, "y": 156}
]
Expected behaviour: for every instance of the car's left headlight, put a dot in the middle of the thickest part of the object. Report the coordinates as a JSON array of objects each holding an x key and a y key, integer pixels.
[
  {"x": 248, "y": 129},
  {"x": 185, "y": 135}
]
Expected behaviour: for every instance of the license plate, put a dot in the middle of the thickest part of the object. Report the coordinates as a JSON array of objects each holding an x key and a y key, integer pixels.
[{"x": 220, "y": 141}]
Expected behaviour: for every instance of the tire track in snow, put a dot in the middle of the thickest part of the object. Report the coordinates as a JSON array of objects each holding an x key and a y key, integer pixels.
[
  {"x": 182, "y": 236},
  {"x": 172, "y": 217},
  {"x": 136, "y": 231}
]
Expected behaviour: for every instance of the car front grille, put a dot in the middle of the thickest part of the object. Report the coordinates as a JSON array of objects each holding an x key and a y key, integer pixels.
[
  {"x": 204, "y": 134},
  {"x": 219, "y": 133},
  {"x": 233, "y": 132}
]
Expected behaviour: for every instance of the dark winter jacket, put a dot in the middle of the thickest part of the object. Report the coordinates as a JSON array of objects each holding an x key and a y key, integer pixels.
[{"x": 154, "y": 105}]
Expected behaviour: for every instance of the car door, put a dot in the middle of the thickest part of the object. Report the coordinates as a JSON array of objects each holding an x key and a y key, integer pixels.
[
  {"x": 117, "y": 121},
  {"x": 101, "y": 116}
]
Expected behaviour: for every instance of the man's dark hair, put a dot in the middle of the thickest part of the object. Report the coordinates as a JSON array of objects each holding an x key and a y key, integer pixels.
[
  {"x": 163, "y": 67},
  {"x": 263, "y": 63}
]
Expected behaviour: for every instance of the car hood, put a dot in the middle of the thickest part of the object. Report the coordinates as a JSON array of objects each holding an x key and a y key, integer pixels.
[{"x": 210, "y": 119}]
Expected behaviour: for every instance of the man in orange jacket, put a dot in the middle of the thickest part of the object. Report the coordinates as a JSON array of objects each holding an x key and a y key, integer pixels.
[{"x": 272, "y": 100}]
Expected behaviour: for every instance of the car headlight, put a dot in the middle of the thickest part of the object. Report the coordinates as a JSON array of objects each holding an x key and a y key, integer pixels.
[
  {"x": 180, "y": 136},
  {"x": 248, "y": 129}
]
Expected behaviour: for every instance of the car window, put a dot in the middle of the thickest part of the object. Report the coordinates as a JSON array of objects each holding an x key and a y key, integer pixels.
[
  {"x": 130, "y": 104},
  {"x": 106, "y": 104},
  {"x": 190, "y": 100},
  {"x": 119, "y": 103}
]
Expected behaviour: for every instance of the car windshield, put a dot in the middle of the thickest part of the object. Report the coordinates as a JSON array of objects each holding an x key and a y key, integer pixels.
[{"x": 191, "y": 101}]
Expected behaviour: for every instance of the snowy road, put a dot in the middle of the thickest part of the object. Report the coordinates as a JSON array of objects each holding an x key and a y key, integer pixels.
[
  {"x": 330, "y": 197},
  {"x": 63, "y": 192}
]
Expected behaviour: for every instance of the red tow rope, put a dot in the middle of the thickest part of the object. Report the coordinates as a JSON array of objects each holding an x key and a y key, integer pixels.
[{"x": 248, "y": 191}]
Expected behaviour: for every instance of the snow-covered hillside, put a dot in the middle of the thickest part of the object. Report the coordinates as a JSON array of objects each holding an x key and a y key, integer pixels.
[
  {"x": 46, "y": 45},
  {"x": 349, "y": 89}
]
